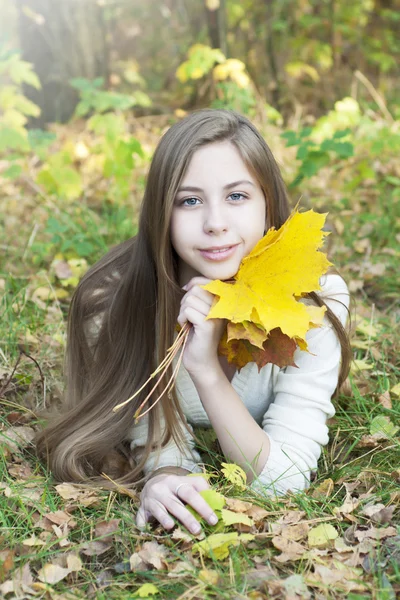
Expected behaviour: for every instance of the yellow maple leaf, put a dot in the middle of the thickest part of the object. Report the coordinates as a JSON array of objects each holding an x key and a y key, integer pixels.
[
  {"x": 217, "y": 545},
  {"x": 234, "y": 474},
  {"x": 283, "y": 266}
]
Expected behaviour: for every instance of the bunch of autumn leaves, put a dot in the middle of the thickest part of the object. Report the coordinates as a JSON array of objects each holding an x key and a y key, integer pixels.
[{"x": 266, "y": 321}]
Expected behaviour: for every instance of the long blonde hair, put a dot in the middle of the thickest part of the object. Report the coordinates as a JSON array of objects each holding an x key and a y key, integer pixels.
[{"x": 133, "y": 293}]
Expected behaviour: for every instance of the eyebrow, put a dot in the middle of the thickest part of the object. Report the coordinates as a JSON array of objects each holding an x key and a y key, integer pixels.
[{"x": 226, "y": 187}]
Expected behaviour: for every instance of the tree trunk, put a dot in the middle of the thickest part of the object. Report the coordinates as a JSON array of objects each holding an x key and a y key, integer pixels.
[
  {"x": 275, "y": 84},
  {"x": 216, "y": 21},
  {"x": 63, "y": 39}
]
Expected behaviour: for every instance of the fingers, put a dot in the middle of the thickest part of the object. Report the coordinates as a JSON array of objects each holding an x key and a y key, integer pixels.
[
  {"x": 196, "y": 281},
  {"x": 163, "y": 504},
  {"x": 192, "y": 497}
]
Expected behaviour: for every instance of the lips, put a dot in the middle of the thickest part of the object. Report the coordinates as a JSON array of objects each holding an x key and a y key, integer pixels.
[{"x": 218, "y": 254}]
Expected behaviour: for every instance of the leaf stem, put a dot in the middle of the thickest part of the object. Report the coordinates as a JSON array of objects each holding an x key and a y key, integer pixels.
[{"x": 172, "y": 351}]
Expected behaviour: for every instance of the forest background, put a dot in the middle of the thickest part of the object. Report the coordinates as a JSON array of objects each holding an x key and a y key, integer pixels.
[{"x": 86, "y": 90}]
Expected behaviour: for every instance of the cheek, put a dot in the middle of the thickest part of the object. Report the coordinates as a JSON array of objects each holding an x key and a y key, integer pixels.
[{"x": 179, "y": 235}]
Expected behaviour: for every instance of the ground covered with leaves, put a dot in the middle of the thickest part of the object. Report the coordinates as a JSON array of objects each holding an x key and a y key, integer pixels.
[{"x": 62, "y": 209}]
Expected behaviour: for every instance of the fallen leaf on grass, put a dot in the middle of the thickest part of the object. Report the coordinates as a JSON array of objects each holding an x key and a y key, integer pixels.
[
  {"x": 179, "y": 534},
  {"x": 135, "y": 564},
  {"x": 154, "y": 554},
  {"x": 374, "y": 533},
  {"x": 6, "y": 563},
  {"x": 385, "y": 400},
  {"x": 322, "y": 536},
  {"x": 359, "y": 364},
  {"x": 296, "y": 532},
  {"x": 383, "y": 426},
  {"x": 257, "y": 513},
  {"x": 291, "y": 517},
  {"x": 106, "y": 529},
  {"x": 181, "y": 569},
  {"x": 146, "y": 590},
  {"x": 33, "y": 541},
  {"x": 323, "y": 490},
  {"x": 237, "y": 505},
  {"x": 234, "y": 474},
  {"x": 95, "y": 548},
  {"x": 341, "y": 577},
  {"x": 52, "y": 573},
  {"x": 396, "y": 389},
  {"x": 20, "y": 471},
  {"x": 70, "y": 491},
  {"x": 379, "y": 513},
  {"x": 209, "y": 576},
  {"x": 372, "y": 441},
  {"x": 230, "y": 518},
  {"x": 15, "y": 439},
  {"x": 349, "y": 505},
  {"x": 20, "y": 584},
  {"x": 290, "y": 549},
  {"x": 58, "y": 517},
  {"x": 217, "y": 545}
]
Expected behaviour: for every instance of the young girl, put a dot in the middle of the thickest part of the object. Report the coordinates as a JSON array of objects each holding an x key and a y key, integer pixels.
[{"x": 213, "y": 190}]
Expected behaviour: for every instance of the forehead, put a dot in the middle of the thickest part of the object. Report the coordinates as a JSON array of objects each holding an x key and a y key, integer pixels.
[{"x": 217, "y": 161}]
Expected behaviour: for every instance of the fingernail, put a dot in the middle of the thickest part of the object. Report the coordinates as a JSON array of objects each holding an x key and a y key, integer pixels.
[
  {"x": 196, "y": 529},
  {"x": 213, "y": 520}
]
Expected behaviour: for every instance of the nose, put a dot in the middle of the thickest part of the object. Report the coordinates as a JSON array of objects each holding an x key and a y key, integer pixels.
[{"x": 216, "y": 220}]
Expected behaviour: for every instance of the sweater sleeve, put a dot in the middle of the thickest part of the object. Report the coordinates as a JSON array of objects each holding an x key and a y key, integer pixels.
[
  {"x": 295, "y": 422},
  {"x": 170, "y": 455}
]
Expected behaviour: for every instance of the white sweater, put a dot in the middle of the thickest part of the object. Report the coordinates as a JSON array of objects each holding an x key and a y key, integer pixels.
[{"x": 291, "y": 405}]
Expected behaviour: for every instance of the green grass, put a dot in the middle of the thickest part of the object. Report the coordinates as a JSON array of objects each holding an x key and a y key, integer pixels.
[{"x": 86, "y": 230}]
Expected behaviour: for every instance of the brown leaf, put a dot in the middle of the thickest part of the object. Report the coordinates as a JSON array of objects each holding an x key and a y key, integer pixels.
[
  {"x": 70, "y": 491},
  {"x": 379, "y": 513},
  {"x": 385, "y": 400},
  {"x": 347, "y": 507},
  {"x": 278, "y": 349},
  {"x": 52, "y": 573},
  {"x": 257, "y": 513},
  {"x": 259, "y": 575},
  {"x": 20, "y": 471},
  {"x": 16, "y": 438},
  {"x": 291, "y": 517},
  {"x": 290, "y": 549},
  {"x": 340, "y": 577},
  {"x": 62, "y": 533},
  {"x": 6, "y": 563},
  {"x": 106, "y": 528},
  {"x": 324, "y": 489},
  {"x": 181, "y": 569},
  {"x": 137, "y": 564},
  {"x": 374, "y": 533},
  {"x": 60, "y": 517},
  {"x": 154, "y": 554},
  {"x": 179, "y": 534},
  {"x": 372, "y": 441},
  {"x": 95, "y": 548},
  {"x": 20, "y": 584},
  {"x": 62, "y": 269},
  {"x": 295, "y": 532},
  {"x": 237, "y": 505}
]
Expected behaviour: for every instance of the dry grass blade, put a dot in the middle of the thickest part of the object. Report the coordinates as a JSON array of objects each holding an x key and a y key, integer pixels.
[{"x": 178, "y": 345}]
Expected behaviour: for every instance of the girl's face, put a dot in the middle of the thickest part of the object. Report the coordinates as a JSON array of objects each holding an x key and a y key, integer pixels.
[{"x": 218, "y": 205}]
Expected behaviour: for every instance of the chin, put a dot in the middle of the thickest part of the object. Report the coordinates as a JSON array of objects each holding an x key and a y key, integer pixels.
[{"x": 220, "y": 272}]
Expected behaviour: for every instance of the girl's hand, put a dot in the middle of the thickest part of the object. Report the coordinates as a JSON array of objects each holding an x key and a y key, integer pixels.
[
  {"x": 159, "y": 500},
  {"x": 201, "y": 351}
]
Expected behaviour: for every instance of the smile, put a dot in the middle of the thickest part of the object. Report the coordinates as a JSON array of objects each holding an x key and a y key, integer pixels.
[{"x": 219, "y": 254}]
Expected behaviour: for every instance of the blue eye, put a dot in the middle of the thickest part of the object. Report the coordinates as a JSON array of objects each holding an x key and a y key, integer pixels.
[
  {"x": 186, "y": 200},
  {"x": 238, "y": 194}
]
